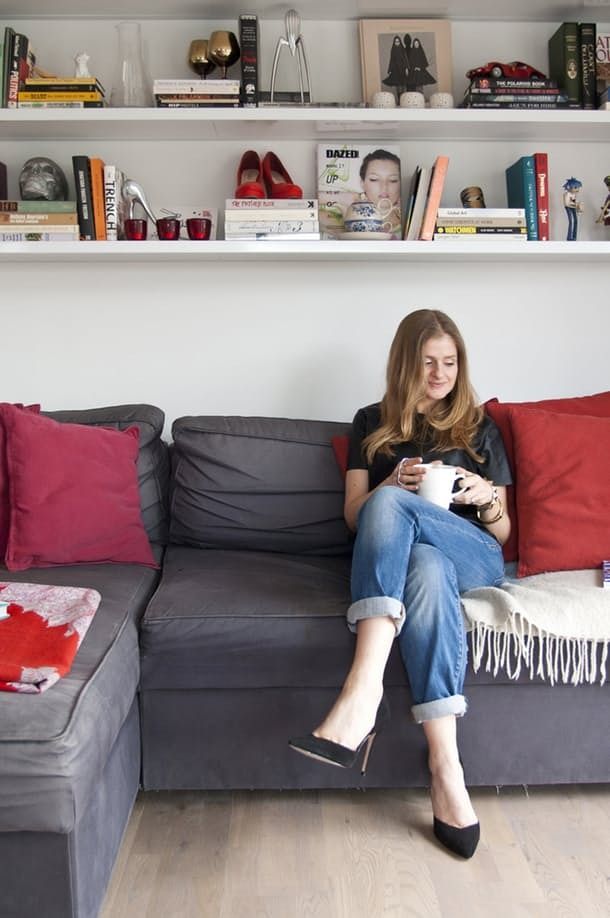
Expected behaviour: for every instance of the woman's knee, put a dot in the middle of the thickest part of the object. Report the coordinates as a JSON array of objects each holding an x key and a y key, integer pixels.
[{"x": 431, "y": 573}]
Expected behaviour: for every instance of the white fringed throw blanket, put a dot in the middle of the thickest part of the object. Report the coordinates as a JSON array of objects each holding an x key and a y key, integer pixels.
[{"x": 555, "y": 626}]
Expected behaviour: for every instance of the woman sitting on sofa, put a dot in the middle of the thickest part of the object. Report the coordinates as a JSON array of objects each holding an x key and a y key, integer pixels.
[{"x": 412, "y": 558}]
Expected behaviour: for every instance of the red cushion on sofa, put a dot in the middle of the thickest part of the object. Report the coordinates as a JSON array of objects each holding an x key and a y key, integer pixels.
[
  {"x": 563, "y": 497},
  {"x": 597, "y": 405},
  {"x": 5, "y": 507},
  {"x": 340, "y": 445},
  {"x": 73, "y": 492}
]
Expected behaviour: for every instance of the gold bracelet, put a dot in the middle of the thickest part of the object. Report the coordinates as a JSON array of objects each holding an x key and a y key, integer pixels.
[{"x": 496, "y": 518}]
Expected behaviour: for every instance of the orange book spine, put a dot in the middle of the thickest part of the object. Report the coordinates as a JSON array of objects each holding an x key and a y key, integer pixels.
[
  {"x": 97, "y": 193},
  {"x": 441, "y": 164}
]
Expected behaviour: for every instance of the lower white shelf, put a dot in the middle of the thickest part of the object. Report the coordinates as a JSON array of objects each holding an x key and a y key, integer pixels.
[{"x": 328, "y": 250}]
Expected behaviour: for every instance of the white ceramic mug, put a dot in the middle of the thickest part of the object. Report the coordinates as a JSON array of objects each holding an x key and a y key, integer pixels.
[
  {"x": 383, "y": 100},
  {"x": 437, "y": 483},
  {"x": 441, "y": 100},
  {"x": 412, "y": 100}
]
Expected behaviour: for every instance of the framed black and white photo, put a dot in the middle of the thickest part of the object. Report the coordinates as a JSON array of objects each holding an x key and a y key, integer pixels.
[{"x": 405, "y": 55}]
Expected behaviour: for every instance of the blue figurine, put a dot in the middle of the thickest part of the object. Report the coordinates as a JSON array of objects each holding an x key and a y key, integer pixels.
[{"x": 573, "y": 206}]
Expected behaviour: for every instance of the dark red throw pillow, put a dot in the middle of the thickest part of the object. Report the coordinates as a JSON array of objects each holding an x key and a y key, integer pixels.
[
  {"x": 5, "y": 507},
  {"x": 340, "y": 445},
  {"x": 597, "y": 405},
  {"x": 73, "y": 493},
  {"x": 563, "y": 496}
]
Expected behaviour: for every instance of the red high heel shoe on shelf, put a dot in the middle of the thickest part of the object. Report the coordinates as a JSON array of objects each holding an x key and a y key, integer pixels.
[
  {"x": 277, "y": 181},
  {"x": 249, "y": 182}
]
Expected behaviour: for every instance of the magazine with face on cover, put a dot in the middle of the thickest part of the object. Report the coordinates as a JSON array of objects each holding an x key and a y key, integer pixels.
[{"x": 353, "y": 172}]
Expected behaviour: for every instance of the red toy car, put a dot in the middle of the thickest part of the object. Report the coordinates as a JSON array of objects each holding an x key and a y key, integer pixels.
[{"x": 515, "y": 70}]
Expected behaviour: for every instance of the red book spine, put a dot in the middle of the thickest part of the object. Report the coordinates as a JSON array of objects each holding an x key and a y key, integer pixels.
[{"x": 541, "y": 167}]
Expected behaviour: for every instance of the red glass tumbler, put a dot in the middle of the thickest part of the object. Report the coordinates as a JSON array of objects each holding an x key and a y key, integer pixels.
[
  {"x": 168, "y": 228},
  {"x": 135, "y": 229},
  {"x": 198, "y": 227}
]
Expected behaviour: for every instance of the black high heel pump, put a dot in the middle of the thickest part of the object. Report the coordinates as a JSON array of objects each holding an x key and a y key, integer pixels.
[
  {"x": 461, "y": 841},
  {"x": 330, "y": 753}
]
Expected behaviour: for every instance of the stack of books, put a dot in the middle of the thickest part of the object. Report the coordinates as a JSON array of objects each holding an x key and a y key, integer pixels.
[
  {"x": 61, "y": 92},
  {"x": 196, "y": 93},
  {"x": 487, "y": 92},
  {"x": 481, "y": 223},
  {"x": 272, "y": 218},
  {"x": 38, "y": 221}
]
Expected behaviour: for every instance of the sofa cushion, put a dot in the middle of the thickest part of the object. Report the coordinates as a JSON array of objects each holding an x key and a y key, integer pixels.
[
  {"x": 73, "y": 493},
  {"x": 563, "y": 497},
  {"x": 5, "y": 505},
  {"x": 153, "y": 459},
  {"x": 55, "y": 745},
  {"x": 597, "y": 405},
  {"x": 262, "y": 484}
]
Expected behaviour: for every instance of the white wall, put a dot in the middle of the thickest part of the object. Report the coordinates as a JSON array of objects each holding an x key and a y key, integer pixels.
[{"x": 300, "y": 339}]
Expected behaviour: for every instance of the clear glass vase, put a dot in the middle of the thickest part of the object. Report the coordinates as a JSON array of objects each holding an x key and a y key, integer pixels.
[{"x": 131, "y": 86}]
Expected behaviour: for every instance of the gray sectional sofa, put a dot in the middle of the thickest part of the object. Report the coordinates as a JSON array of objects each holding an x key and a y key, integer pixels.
[{"x": 242, "y": 643}]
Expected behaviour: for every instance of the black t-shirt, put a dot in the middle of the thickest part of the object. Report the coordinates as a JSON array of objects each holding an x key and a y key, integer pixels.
[{"x": 487, "y": 443}]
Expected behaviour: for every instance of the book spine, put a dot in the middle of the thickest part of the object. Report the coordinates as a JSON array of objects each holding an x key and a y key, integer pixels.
[
  {"x": 38, "y": 207},
  {"x": 110, "y": 202},
  {"x": 35, "y": 85},
  {"x": 9, "y": 37},
  {"x": 564, "y": 60},
  {"x": 494, "y": 84},
  {"x": 606, "y": 575},
  {"x": 84, "y": 202},
  {"x": 26, "y": 96},
  {"x": 61, "y": 105},
  {"x": 466, "y": 238},
  {"x": 541, "y": 168},
  {"x": 521, "y": 192},
  {"x": 476, "y": 213},
  {"x": 523, "y": 105},
  {"x": 248, "y": 40},
  {"x": 275, "y": 237},
  {"x": 586, "y": 35},
  {"x": 33, "y": 235},
  {"x": 272, "y": 204},
  {"x": 435, "y": 192},
  {"x": 96, "y": 166},
  {"x": 28, "y": 226},
  {"x": 271, "y": 226},
  {"x": 19, "y": 49},
  {"x": 216, "y": 104},
  {"x": 213, "y": 87},
  {"x": 468, "y": 229},
  {"x": 9, "y": 217},
  {"x": 521, "y": 97},
  {"x": 269, "y": 216}
]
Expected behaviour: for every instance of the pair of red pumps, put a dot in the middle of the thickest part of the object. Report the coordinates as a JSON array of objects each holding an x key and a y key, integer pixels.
[{"x": 268, "y": 179}]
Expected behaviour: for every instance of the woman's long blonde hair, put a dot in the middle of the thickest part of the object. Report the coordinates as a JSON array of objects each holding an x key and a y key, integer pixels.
[{"x": 450, "y": 423}]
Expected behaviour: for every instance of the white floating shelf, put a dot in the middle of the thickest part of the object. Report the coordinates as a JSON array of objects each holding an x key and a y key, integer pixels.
[
  {"x": 364, "y": 252},
  {"x": 153, "y": 124}
]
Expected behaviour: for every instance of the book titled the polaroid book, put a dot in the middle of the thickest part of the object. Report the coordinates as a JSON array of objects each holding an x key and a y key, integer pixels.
[{"x": 351, "y": 172}]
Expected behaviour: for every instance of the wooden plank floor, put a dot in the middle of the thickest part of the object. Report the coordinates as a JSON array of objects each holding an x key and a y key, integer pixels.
[{"x": 544, "y": 853}]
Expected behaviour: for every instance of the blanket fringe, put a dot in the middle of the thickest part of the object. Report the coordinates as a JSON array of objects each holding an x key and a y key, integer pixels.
[{"x": 548, "y": 656}]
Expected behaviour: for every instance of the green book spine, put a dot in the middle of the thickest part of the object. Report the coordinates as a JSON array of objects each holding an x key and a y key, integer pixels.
[
  {"x": 38, "y": 207},
  {"x": 564, "y": 61},
  {"x": 521, "y": 192},
  {"x": 587, "y": 38}
]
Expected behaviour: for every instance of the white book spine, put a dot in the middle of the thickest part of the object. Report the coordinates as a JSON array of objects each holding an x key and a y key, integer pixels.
[
  {"x": 196, "y": 87},
  {"x": 28, "y": 227},
  {"x": 474, "y": 213},
  {"x": 110, "y": 202},
  {"x": 271, "y": 226},
  {"x": 271, "y": 204},
  {"x": 275, "y": 237},
  {"x": 36, "y": 235}
]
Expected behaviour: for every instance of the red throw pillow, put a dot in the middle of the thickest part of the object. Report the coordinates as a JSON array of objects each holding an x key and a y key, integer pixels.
[
  {"x": 5, "y": 507},
  {"x": 563, "y": 498},
  {"x": 597, "y": 405},
  {"x": 73, "y": 492},
  {"x": 340, "y": 445}
]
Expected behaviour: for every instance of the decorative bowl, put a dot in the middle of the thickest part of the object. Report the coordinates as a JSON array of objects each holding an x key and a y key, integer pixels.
[{"x": 363, "y": 217}]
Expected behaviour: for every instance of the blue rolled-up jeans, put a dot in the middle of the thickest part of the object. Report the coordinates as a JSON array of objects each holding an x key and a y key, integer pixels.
[{"x": 411, "y": 561}]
